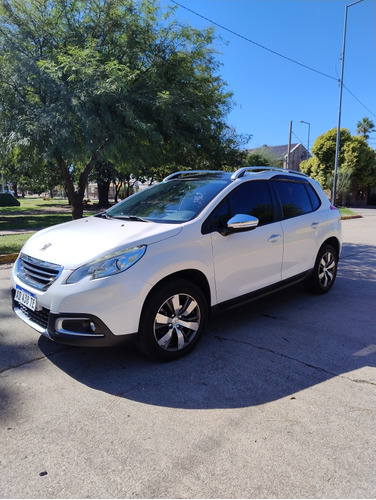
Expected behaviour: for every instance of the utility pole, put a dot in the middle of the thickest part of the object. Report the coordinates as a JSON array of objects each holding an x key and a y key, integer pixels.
[
  {"x": 340, "y": 105},
  {"x": 289, "y": 147}
]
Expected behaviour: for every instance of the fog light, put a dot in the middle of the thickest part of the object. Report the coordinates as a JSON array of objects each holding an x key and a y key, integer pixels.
[{"x": 92, "y": 326}]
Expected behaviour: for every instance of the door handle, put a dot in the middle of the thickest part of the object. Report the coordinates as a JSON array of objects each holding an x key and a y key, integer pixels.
[
  {"x": 314, "y": 225},
  {"x": 273, "y": 238}
]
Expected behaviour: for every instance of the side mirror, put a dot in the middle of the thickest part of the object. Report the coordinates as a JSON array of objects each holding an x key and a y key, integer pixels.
[{"x": 240, "y": 222}]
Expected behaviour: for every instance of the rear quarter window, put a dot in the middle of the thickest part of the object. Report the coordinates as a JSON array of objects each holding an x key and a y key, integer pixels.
[
  {"x": 313, "y": 196},
  {"x": 295, "y": 198}
]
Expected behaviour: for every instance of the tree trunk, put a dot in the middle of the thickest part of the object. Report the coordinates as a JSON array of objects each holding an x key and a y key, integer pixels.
[
  {"x": 75, "y": 197},
  {"x": 15, "y": 189},
  {"x": 103, "y": 190},
  {"x": 117, "y": 191}
]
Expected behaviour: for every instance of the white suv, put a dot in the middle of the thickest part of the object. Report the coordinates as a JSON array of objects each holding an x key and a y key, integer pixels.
[{"x": 151, "y": 268}]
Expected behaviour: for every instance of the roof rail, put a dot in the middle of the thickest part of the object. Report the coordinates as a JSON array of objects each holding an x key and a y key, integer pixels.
[
  {"x": 182, "y": 173},
  {"x": 242, "y": 171}
]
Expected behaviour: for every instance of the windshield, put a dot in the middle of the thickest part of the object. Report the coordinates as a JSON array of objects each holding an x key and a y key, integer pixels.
[{"x": 171, "y": 201}]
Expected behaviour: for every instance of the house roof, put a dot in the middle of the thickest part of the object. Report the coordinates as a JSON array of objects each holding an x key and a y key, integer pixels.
[{"x": 277, "y": 151}]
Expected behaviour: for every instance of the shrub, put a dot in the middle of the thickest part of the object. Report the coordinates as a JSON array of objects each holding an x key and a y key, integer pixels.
[{"x": 8, "y": 200}]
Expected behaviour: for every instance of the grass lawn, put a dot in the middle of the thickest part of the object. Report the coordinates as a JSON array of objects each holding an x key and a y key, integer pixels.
[
  {"x": 36, "y": 203},
  {"x": 346, "y": 212},
  {"x": 32, "y": 221},
  {"x": 36, "y": 213},
  {"x": 33, "y": 213},
  {"x": 12, "y": 243}
]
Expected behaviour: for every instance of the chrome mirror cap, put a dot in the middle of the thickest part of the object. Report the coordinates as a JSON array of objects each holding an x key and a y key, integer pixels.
[{"x": 242, "y": 222}]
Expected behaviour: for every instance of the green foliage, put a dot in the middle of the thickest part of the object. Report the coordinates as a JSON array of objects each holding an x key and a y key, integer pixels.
[
  {"x": 360, "y": 161},
  {"x": 119, "y": 81},
  {"x": 313, "y": 168},
  {"x": 262, "y": 157},
  {"x": 8, "y": 200},
  {"x": 357, "y": 162}
]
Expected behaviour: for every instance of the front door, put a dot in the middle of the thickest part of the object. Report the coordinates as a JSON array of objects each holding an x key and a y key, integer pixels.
[{"x": 250, "y": 260}]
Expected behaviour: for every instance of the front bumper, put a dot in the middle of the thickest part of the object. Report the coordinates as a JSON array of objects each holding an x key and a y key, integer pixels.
[
  {"x": 72, "y": 329},
  {"x": 100, "y": 312}
]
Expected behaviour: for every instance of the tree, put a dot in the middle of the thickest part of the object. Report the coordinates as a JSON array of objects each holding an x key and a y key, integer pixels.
[
  {"x": 26, "y": 170},
  {"x": 263, "y": 157},
  {"x": 360, "y": 163},
  {"x": 104, "y": 173},
  {"x": 365, "y": 127},
  {"x": 89, "y": 81},
  {"x": 357, "y": 163},
  {"x": 321, "y": 165}
]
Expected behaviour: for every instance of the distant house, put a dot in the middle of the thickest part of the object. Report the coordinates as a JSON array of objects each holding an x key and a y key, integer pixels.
[{"x": 298, "y": 153}]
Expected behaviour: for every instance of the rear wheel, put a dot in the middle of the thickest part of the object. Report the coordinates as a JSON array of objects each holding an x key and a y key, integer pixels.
[
  {"x": 172, "y": 321},
  {"x": 325, "y": 271}
]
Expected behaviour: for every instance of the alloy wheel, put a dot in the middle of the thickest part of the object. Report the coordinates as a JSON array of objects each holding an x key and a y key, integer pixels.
[
  {"x": 327, "y": 269},
  {"x": 177, "y": 322}
]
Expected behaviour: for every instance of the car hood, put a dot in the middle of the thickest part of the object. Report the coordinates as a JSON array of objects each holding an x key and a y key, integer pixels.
[{"x": 75, "y": 243}]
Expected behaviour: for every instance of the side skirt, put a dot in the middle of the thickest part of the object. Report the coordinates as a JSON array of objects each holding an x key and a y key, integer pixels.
[{"x": 263, "y": 292}]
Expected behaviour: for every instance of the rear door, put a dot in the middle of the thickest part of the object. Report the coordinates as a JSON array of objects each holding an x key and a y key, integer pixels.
[{"x": 302, "y": 225}]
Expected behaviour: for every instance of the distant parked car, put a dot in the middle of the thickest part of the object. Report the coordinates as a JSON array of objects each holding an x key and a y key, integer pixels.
[{"x": 151, "y": 268}]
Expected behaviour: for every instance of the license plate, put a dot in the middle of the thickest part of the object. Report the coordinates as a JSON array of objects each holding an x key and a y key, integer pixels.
[{"x": 25, "y": 298}]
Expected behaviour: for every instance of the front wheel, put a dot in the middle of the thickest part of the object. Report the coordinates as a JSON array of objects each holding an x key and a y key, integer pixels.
[
  {"x": 172, "y": 321},
  {"x": 325, "y": 271}
]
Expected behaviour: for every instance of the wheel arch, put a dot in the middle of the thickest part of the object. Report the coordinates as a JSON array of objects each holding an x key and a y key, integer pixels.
[
  {"x": 193, "y": 275},
  {"x": 333, "y": 241}
]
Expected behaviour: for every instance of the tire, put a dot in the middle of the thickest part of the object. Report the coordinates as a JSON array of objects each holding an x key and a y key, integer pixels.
[
  {"x": 173, "y": 320},
  {"x": 325, "y": 271}
]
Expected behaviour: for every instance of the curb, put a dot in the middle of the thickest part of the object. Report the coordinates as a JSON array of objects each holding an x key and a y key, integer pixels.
[
  {"x": 8, "y": 259},
  {"x": 347, "y": 217}
]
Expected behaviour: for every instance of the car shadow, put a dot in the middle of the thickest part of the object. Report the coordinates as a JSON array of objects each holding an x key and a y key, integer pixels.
[{"x": 250, "y": 355}]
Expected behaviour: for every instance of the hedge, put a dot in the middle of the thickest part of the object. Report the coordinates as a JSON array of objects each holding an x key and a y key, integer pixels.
[{"x": 8, "y": 200}]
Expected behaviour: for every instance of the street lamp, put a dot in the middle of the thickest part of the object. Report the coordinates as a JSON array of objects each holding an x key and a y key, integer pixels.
[
  {"x": 309, "y": 129},
  {"x": 340, "y": 105}
]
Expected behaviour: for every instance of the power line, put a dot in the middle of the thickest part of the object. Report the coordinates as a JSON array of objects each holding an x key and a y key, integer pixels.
[
  {"x": 253, "y": 42},
  {"x": 360, "y": 102},
  {"x": 301, "y": 142},
  {"x": 271, "y": 51}
]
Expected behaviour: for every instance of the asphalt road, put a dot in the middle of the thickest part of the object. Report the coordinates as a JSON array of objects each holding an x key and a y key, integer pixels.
[{"x": 277, "y": 401}]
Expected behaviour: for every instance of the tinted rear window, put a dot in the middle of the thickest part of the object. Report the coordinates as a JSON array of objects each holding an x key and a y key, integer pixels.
[{"x": 294, "y": 198}]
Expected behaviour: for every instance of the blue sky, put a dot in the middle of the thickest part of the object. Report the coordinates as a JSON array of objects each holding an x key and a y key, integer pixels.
[{"x": 269, "y": 91}]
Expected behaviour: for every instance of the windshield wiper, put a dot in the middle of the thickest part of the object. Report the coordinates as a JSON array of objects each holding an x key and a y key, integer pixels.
[
  {"x": 130, "y": 217},
  {"x": 103, "y": 215}
]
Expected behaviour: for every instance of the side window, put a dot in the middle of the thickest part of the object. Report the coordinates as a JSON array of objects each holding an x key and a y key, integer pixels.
[
  {"x": 251, "y": 198},
  {"x": 219, "y": 217},
  {"x": 294, "y": 198}
]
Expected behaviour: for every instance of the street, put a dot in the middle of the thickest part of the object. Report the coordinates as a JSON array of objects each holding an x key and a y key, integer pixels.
[{"x": 277, "y": 401}]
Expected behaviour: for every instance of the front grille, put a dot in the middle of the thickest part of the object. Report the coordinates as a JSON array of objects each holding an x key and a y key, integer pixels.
[
  {"x": 37, "y": 273},
  {"x": 40, "y": 318}
]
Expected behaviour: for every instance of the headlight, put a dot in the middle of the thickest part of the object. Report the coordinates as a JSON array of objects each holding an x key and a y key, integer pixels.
[{"x": 114, "y": 263}]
